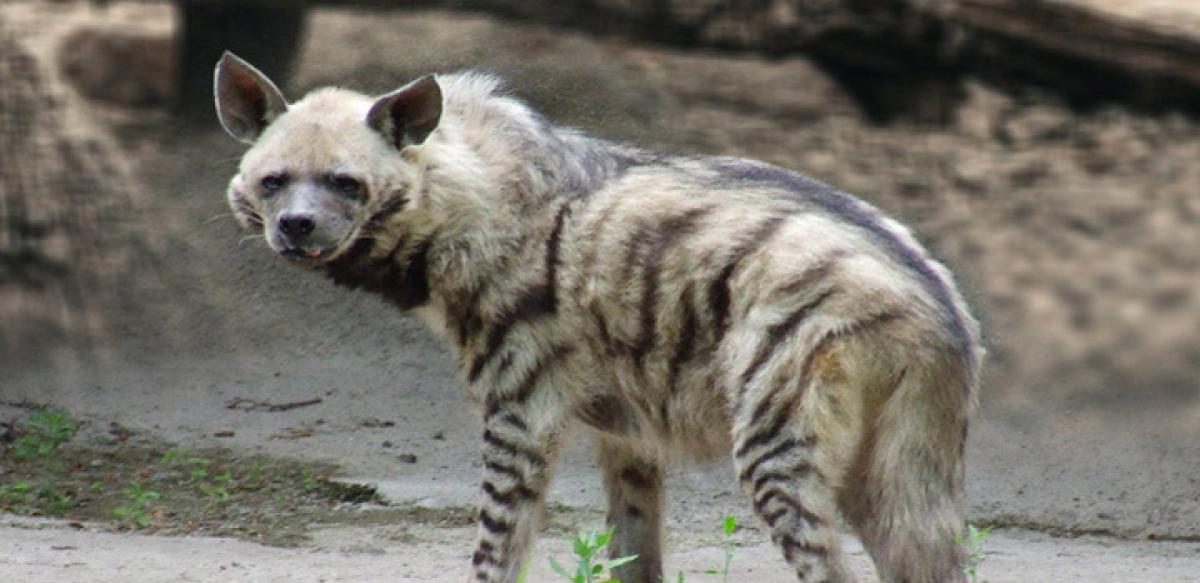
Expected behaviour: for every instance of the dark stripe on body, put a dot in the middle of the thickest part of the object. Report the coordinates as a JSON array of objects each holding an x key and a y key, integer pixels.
[
  {"x": 855, "y": 213},
  {"x": 667, "y": 233},
  {"x": 685, "y": 346},
  {"x": 780, "y": 332},
  {"x": 806, "y": 372},
  {"x": 718, "y": 289},
  {"x": 535, "y": 302}
]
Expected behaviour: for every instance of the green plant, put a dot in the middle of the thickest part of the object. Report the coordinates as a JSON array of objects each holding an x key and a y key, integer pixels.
[
  {"x": 15, "y": 495},
  {"x": 974, "y": 546},
  {"x": 728, "y": 525},
  {"x": 308, "y": 481},
  {"x": 57, "y": 503},
  {"x": 255, "y": 472},
  {"x": 589, "y": 569},
  {"x": 172, "y": 454},
  {"x": 197, "y": 468},
  {"x": 47, "y": 430},
  {"x": 214, "y": 491},
  {"x": 137, "y": 499}
]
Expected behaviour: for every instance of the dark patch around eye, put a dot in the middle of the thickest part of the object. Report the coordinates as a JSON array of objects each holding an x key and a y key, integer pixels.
[
  {"x": 345, "y": 185},
  {"x": 273, "y": 183}
]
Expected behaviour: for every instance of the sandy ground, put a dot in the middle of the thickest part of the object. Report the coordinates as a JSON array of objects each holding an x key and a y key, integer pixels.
[
  {"x": 48, "y": 552},
  {"x": 1068, "y": 229}
]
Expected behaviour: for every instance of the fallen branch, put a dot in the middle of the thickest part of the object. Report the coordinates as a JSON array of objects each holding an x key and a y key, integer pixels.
[{"x": 244, "y": 404}]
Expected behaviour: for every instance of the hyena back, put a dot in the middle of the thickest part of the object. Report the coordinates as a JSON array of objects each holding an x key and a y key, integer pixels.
[{"x": 677, "y": 307}]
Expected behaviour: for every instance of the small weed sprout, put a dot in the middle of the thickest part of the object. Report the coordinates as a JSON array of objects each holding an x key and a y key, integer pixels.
[
  {"x": 172, "y": 454},
  {"x": 197, "y": 468},
  {"x": 134, "y": 510},
  {"x": 728, "y": 525},
  {"x": 589, "y": 569},
  {"x": 974, "y": 546},
  {"x": 57, "y": 503},
  {"x": 48, "y": 429},
  {"x": 15, "y": 496},
  {"x": 308, "y": 481}
]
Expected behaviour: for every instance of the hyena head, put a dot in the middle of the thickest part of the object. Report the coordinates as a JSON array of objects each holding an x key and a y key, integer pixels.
[{"x": 320, "y": 171}]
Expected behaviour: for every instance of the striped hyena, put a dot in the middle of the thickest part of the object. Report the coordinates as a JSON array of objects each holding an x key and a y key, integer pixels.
[{"x": 679, "y": 307}]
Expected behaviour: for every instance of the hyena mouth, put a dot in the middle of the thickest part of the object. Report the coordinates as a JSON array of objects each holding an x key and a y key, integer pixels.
[{"x": 308, "y": 255}]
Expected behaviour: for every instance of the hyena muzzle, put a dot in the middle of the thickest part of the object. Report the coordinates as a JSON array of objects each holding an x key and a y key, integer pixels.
[{"x": 676, "y": 307}]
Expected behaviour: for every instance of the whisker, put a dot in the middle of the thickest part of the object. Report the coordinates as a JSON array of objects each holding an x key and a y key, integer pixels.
[
  {"x": 215, "y": 217},
  {"x": 249, "y": 238}
]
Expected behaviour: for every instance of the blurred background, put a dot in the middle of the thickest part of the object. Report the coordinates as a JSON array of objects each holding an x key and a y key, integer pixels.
[{"x": 1047, "y": 150}]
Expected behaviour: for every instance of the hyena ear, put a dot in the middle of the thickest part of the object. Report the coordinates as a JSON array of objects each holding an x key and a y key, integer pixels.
[
  {"x": 247, "y": 101},
  {"x": 408, "y": 115}
]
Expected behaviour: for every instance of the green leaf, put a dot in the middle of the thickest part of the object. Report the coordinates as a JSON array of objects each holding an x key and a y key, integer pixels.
[
  {"x": 729, "y": 524},
  {"x": 613, "y": 564},
  {"x": 603, "y": 538},
  {"x": 559, "y": 569}
]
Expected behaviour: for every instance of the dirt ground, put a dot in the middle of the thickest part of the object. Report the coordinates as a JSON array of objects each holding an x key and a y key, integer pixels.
[
  {"x": 1076, "y": 233},
  {"x": 39, "y": 552}
]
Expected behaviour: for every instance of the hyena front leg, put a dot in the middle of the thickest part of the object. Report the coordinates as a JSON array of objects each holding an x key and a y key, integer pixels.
[
  {"x": 634, "y": 489},
  {"x": 519, "y": 449}
]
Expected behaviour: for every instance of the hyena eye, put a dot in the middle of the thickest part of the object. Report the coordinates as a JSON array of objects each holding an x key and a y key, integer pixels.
[
  {"x": 347, "y": 185},
  {"x": 273, "y": 182}
]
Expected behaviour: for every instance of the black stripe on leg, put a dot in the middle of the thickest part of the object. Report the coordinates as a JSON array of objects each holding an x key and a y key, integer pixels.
[
  {"x": 783, "y": 447},
  {"x": 493, "y": 525},
  {"x": 513, "y": 449},
  {"x": 499, "y": 468},
  {"x": 793, "y": 505},
  {"x": 791, "y": 546},
  {"x": 772, "y": 477},
  {"x": 765, "y": 435},
  {"x": 518, "y": 493},
  {"x": 481, "y": 557}
]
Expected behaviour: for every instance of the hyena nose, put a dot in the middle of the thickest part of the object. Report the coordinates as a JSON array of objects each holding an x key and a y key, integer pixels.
[{"x": 295, "y": 226}]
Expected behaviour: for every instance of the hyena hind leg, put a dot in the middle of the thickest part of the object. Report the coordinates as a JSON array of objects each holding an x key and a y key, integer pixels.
[
  {"x": 775, "y": 457},
  {"x": 635, "y": 498},
  {"x": 905, "y": 499}
]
